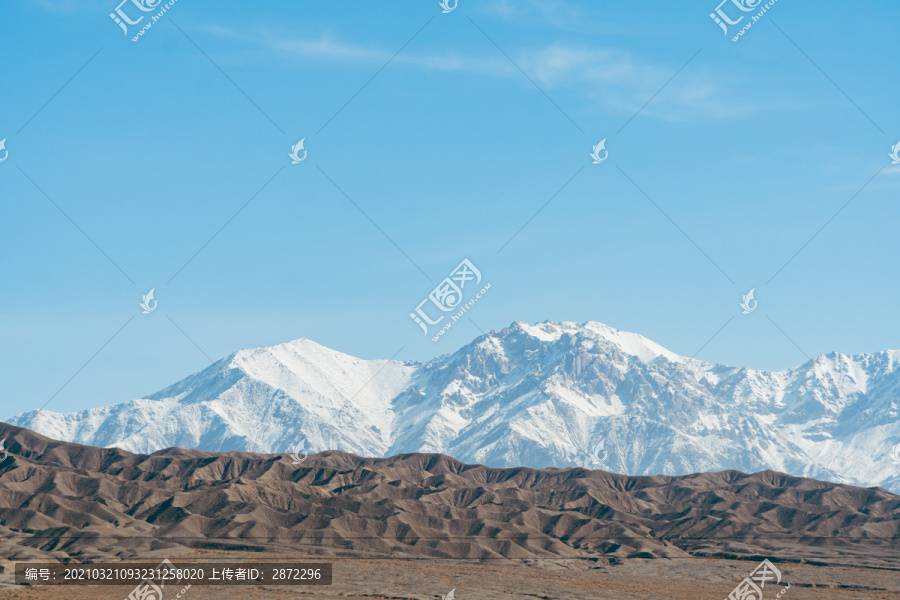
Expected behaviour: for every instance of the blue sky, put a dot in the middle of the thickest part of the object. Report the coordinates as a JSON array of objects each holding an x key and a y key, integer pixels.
[{"x": 431, "y": 138}]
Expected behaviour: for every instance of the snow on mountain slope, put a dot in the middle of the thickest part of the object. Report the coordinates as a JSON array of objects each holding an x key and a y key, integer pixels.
[
  {"x": 257, "y": 400},
  {"x": 551, "y": 394}
]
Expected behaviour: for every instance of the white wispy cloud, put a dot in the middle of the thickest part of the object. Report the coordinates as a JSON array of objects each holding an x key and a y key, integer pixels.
[
  {"x": 611, "y": 78},
  {"x": 621, "y": 81},
  {"x": 323, "y": 46},
  {"x": 326, "y": 47}
]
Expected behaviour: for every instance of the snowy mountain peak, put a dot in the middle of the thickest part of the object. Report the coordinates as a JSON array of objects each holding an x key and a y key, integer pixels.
[
  {"x": 299, "y": 350},
  {"x": 589, "y": 334},
  {"x": 546, "y": 394}
]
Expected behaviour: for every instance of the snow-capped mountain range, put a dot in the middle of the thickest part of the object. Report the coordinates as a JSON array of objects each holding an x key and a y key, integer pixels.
[{"x": 552, "y": 394}]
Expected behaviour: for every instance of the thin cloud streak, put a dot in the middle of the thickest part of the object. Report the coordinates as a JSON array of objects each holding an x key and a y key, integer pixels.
[{"x": 613, "y": 78}]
